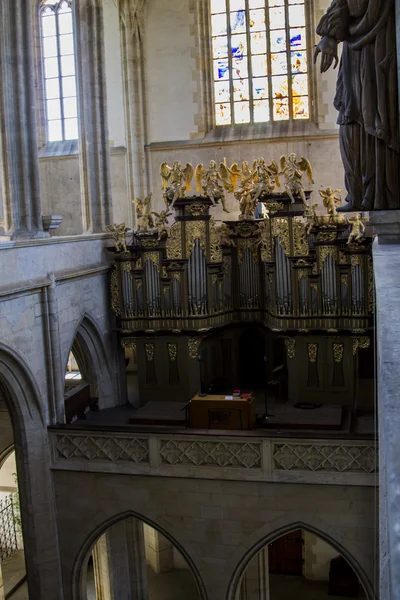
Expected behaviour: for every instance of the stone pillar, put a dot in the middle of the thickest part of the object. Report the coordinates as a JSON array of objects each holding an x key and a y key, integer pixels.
[
  {"x": 159, "y": 551},
  {"x": 2, "y": 596},
  {"x": 92, "y": 110},
  {"x": 255, "y": 581},
  {"x": 19, "y": 161},
  {"x": 131, "y": 13},
  {"x": 101, "y": 569},
  {"x": 120, "y": 564}
]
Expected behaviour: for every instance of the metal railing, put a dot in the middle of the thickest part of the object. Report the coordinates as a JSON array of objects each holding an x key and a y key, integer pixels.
[{"x": 8, "y": 531}]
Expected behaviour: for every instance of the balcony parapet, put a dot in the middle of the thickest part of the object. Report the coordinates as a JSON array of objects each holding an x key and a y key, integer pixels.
[{"x": 217, "y": 456}]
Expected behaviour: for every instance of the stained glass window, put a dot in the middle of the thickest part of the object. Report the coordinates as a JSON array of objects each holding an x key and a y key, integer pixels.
[
  {"x": 58, "y": 51},
  {"x": 260, "y": 66}
]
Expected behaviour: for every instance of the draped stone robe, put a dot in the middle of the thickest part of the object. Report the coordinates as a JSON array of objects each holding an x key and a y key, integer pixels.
[{"x": 367, "y": 100}]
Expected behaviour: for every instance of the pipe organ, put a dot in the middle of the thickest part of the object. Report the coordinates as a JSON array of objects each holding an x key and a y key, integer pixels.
[{"x": 279, "y": 271}]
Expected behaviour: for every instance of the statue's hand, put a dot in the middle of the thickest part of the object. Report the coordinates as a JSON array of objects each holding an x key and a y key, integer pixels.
[{"x": 328, "y": 48}]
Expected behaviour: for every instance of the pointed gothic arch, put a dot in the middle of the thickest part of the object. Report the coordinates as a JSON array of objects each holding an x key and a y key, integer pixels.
[
  {"x": 90, "y": 353},
  {"x": 82, "y": 559},
  {"x": 312, "y": 524},
  {"x": 21, "y": 395}
]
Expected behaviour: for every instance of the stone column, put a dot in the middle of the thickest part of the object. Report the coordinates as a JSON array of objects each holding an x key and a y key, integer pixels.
[
  {"x": 120, "y": 563},
  {"x": 255, "y": 581},
  {"x": 159, "y": 551},
  {"x": 2, "y": 596},
  {"x": 101, "y": 568},
  {"x": 131, "y": 12},
  {"x": 19, "y": 162},
  {"x": 93, "y": 122}
]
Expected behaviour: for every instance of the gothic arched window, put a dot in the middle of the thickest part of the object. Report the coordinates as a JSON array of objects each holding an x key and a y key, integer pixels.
[
  {"x": 259, "y": 51},
  {"x": 58, "y": 54}
]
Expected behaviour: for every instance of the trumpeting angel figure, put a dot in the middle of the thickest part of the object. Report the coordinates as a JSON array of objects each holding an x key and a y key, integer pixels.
[
  {"x": 292, "y": 170},
  {"x": 175, "y": 181},
  {"x": 331, "y": 199},
  {"x": 213, "y": 182},
  {"x": 357, "y": 228},
  {"x": 119, "y": 234}
]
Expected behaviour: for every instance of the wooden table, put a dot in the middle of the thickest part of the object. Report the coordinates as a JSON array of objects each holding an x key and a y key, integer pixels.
[{"x": 217, "y": 412}]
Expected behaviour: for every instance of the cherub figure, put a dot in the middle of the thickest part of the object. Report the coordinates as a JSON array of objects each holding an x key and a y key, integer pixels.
[
  {"x": 144, "y": 218},
  {"x": 160, "y": 223},
  {"x": 119, "y": 233},
  {"x": 292, "y": 171},
  {"x": 331, "y": 199},
  {"x": 213, "y": 182},
  {"x": 310, "y": 217},
  {"x": 225, "y": 235},
  {"x": 175, "y": 181},
  {"x": 357, "y": 228}
]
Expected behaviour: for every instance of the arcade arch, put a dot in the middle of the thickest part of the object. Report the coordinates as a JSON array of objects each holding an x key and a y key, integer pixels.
[
  {"x": 302, "y": 561},
  {"x": 131, "y": 558}
]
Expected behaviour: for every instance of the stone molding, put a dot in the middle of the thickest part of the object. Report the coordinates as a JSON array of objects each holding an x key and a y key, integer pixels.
[{"x": 346, "y": 462}]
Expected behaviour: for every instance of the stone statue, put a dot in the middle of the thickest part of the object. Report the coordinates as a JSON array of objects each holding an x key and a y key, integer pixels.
[
  {"x": 292, "y": 170},
  {"x": 331, "y": 199},
  {"x": 144, "y": 217},
  {"x": 357, "y": 228},
  {"x": 366, "y": 98},
  {"x": 119, "y": 232},
  {"x": 175, "y": 181},
  {"x": 213, "y": 182}
]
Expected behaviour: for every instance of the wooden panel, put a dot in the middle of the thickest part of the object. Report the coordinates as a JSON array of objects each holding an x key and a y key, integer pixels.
[{"x": 285, "y": 555}]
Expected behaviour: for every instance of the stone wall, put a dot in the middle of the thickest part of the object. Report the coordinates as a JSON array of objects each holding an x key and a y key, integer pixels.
[
  {"x": 317, "y": 557},
  {"x": 216, "y": 525}
]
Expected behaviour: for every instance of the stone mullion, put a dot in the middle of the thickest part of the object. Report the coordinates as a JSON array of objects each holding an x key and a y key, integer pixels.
[
  {"x": 18, "y": 133},
  {"x": 92, "y": 110}
]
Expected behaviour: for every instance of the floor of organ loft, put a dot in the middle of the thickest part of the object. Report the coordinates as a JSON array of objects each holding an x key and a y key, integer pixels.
[{"x": 283, "y": 417}]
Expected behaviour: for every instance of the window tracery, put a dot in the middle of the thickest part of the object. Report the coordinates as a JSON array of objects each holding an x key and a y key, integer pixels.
[
  {"x": 58, "y": 55},
  {"x": 260, "y": 67}
]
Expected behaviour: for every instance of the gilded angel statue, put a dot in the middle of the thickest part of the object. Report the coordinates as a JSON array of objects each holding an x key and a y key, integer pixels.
[
  {"x": 213, "y": 181},
  {"x": 144, "y": 218},
  {"x": 175, "y": 181},
  {"x": 119, "y": 233},
  {"x": 160, "y": 222},
  {"x": 357, "y": 228},
  {"x": 310, "y": 216},
  {"x": 292, "y": 170},
  {"x": 265, "y": 177},
  {"x": 331, "y": 199}
]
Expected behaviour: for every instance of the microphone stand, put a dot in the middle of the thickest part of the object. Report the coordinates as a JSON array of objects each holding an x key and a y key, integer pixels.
[
  {"x": 200, "y": 361},
  {"x": 267, "y": 415}
]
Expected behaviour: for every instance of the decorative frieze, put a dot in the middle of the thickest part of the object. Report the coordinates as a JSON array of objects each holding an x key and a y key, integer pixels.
[
  {"x": 242, "y": 455},
  {"x": 102, "y": 448},
  {"x": 329, "y": 457}
]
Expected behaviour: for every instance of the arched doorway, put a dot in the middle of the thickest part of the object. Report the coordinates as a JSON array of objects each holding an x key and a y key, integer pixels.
[
  {"x": 88, "y": 384},
  {"x": 299, "y": 564},
  {"x": 252, "y": 365},
  {"x": 131, "y": 559}
]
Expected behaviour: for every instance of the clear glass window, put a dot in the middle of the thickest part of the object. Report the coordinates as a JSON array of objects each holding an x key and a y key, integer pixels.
[{"x": 58, "y": 50}]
